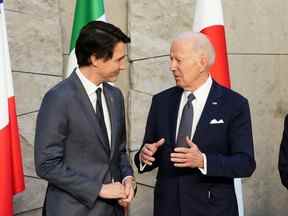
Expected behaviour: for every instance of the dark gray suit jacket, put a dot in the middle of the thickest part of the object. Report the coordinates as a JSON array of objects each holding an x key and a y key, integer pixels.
[{"x": 71, "y": 154}]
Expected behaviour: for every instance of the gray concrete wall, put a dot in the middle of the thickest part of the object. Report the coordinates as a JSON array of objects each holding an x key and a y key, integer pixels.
[{"x": 257, "y": 35}]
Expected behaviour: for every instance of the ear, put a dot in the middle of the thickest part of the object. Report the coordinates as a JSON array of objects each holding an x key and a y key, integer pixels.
[
  {"x": 203, "y": 63},
  {"x": 94, "y": 61}
]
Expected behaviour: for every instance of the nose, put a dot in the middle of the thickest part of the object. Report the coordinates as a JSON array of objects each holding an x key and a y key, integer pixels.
[
  {"x": 122, "y": 65},
  {"x": 172, "y": 65}
]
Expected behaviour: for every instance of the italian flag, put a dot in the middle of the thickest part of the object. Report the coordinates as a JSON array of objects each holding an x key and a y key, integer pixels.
[
  {"x": 209, "y": 21},
  {"x": 85, "y": 11},
  {"x": 11, "y": 170}
]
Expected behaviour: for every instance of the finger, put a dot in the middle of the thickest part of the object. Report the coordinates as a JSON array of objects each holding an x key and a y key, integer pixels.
[
  {"x": 151, "y": 147},
  {"x": 127, "y": 189},
  {"x": 125, "y": 205},
  {"x": 160, "y": 143},
  {"x": 181, "y": 149},
  {"x": 181, "y": 165},
  {"x": 121, "y": 190},
  {"x": 148, "y": 158},
  {"x": 122, "y": 203},
  {"x": 195, "y": 147},
  {"x": 189, "y": 141},
  {"x": 130, "y": 196},
  {"x": 117, "y": 183},
  {"x": 121, "y": 195},
  {"x": 147, "y": 151},
  {"x": 144, "y": 156},
  {"x": 146, "y": 161},
  {"x": 178, "y": 160},
  {"x": 178, "y": 155}
]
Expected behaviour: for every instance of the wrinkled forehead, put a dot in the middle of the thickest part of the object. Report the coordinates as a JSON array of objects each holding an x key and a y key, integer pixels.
[{"x": 183, "y": 46}]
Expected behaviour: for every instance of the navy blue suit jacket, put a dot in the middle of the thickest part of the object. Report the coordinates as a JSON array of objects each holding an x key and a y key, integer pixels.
[
  {"x": 228, "y": 147},
  {"x": 283, "y": 155}
]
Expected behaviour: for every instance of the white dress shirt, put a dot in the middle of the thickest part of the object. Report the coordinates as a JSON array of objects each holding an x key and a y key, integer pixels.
[
  {"x": 90, "y": 89},
  {"x": 201, "y": 95}
]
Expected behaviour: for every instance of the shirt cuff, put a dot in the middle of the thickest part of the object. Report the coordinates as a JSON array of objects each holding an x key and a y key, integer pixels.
[
  {"x": 142, "y": 166},
  {"x": 204, "y": 169},
  {"x": 126, "y": 178}
]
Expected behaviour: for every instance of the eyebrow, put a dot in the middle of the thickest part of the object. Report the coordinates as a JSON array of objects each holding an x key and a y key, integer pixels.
[{"x": 122, "y": 57}]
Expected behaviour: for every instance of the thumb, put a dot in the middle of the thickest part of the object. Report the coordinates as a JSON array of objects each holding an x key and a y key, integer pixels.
[
  {"x": 160, "y": 142},
  {"x": 189, "y": 142},
  {"x": 127, "y": 190}
]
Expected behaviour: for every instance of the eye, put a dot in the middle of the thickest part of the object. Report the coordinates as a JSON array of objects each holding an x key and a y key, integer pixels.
[
  {"x": 121, "y": 59},
  {"x": 175, "y": 59}
]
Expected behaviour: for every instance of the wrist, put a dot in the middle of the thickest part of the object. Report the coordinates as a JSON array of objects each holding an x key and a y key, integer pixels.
[
  {"x": 131, "y": 181},
  {"x": 127, "y": 180},
  {"x": 201, "y": 161},
  {"x": 102, "y": 192}
]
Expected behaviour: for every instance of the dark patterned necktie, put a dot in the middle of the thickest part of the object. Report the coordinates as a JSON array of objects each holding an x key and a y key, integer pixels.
[
  {"x": 185, "y": 126},
  {"x": 100, "y": 115}
]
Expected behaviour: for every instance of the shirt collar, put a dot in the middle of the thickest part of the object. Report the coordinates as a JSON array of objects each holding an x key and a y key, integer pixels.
[
  {"x": 202, "y": 91},
  {"x": 89, "y": 86}
]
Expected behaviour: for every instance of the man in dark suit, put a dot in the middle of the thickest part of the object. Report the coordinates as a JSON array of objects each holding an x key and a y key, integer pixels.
[
  {"x": 199, "y": 135},
  {"x": 80, "y": 144},
  {"x": 283, "y": 155}
]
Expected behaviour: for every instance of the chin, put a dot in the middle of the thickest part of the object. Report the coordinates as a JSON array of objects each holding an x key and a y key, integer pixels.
[
  {"x": 179, "y": 84},
  {"x": 112, "y": 79}
]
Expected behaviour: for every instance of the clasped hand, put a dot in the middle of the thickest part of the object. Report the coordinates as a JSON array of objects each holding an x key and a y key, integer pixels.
[{"x": 124, "y": 192}]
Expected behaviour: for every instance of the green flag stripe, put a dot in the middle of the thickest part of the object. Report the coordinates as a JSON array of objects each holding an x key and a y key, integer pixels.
[{"x": 85, "y": 11}]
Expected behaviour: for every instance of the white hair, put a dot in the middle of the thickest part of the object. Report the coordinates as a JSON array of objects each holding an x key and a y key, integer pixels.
[{"x": 201, "y": 43}]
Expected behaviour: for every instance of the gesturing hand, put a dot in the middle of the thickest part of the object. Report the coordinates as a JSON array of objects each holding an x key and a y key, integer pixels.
[
  {"x": 148, "y": 150},
  {"x": 188, "y": 157}
]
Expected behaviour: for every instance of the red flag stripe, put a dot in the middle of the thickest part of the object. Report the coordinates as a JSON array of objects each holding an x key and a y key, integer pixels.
[
  {"x": 220, "y": 70},
  {"x": 11, "y": 170},
  {"x": 6, "y": 193},
  {"x": 18, "y": 185}
]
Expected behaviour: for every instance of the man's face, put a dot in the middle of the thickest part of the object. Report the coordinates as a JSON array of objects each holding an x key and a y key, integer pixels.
[
  {"x": 110, "y": 69},
  {"x": 185, "y": 64}
]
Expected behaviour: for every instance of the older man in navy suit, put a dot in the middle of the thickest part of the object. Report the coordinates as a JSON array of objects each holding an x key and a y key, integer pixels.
[{"x": 199, "y": 135}]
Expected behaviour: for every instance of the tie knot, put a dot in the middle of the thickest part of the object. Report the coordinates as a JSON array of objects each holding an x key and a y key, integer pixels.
[{"x": 191, "y": 97}]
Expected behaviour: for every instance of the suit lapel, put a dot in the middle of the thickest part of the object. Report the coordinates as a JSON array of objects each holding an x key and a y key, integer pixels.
[
  {"x": 211, "y": 107},
  {"x": 174, "y": 104},
  {"x": 86, "y": 106},
  {"x": 112, "y": 109}
]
